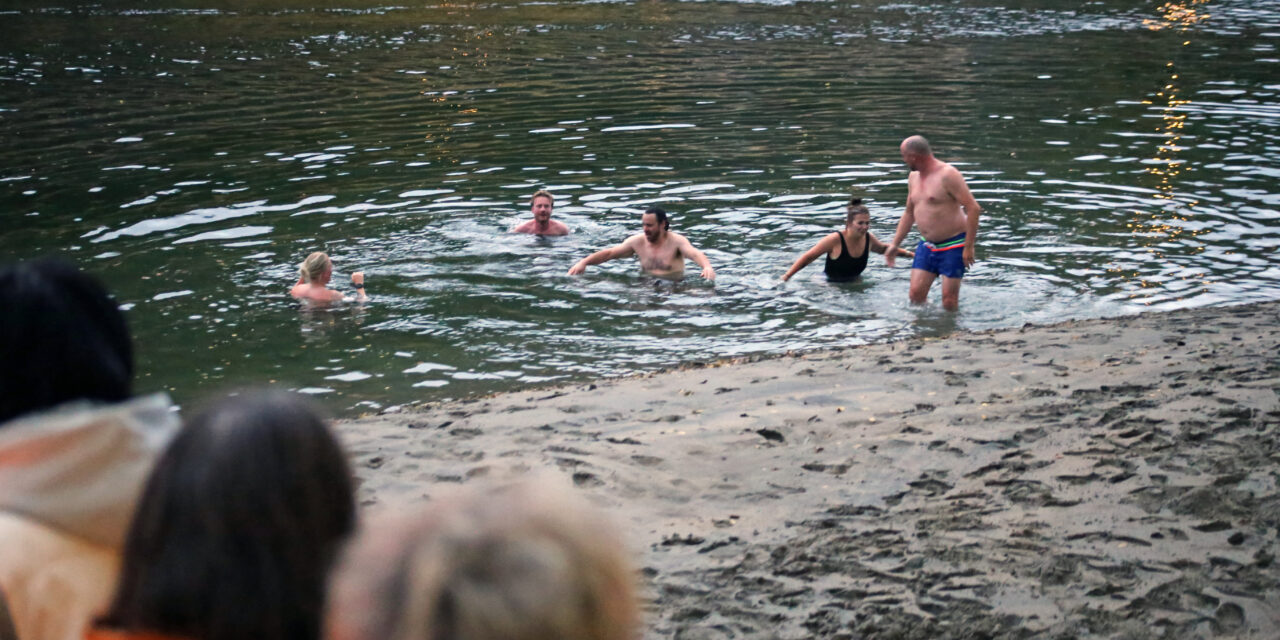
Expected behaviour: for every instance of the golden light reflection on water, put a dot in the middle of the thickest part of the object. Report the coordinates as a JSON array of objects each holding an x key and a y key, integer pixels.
[
  {"x": 441, "y": 87},
  {"x": 1161, "y": 226}
]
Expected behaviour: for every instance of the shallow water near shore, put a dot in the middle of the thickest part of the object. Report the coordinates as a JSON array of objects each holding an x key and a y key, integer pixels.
[{"x": 1127, "y": 155}]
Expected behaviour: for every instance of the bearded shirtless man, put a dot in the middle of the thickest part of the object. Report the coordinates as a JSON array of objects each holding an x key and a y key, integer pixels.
[
  {"x": 940, "y": 204},
  {"x": 661, "y": 251}
]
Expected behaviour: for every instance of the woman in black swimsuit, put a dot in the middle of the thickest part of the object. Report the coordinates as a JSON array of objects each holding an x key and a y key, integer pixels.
[{"x": 846, "y": 250}]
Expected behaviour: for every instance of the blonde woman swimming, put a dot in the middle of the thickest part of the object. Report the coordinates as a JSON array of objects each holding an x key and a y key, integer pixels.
[{"x": 313, "y": 281}]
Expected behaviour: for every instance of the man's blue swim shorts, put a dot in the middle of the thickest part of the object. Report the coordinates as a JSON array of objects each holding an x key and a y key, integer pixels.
[{"x": 945, "y": 258}]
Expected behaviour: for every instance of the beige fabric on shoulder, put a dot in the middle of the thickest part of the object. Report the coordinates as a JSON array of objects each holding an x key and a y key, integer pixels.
[{"x": 70, "y": 479}]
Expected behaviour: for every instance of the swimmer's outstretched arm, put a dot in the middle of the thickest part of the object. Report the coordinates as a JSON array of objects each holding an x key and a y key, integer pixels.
[
  {"x": 691, "y": 252},
  {"x": 604, "y": 255},
  {"x": 357, "y": 279},
  {"x": 825, "y": 245},
  {"x": 880, "y": 247}
]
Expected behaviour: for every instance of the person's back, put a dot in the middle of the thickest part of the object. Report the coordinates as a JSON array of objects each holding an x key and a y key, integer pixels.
[{"x": 74, "y": 449}]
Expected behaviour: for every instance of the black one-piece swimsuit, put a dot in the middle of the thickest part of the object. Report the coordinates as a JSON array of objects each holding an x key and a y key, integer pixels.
[{"x": 844, "y": 268}]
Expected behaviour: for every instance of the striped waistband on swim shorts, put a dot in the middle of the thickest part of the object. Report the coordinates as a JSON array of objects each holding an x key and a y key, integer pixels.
[{"x": 946, "y": 245}]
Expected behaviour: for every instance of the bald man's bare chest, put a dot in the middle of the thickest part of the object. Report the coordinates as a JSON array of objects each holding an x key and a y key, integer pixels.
[{"x": 931, "y": 194}]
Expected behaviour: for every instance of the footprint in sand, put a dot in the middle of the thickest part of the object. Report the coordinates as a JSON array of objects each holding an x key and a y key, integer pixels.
[{"x": 584, "y": 479}]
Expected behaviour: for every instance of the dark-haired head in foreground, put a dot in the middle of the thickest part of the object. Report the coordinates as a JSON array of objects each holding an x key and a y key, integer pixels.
[
  {"x": 238, "y": 526},
  {"x": 513, "y": 564},
  {"x": 62, "y": 338}
]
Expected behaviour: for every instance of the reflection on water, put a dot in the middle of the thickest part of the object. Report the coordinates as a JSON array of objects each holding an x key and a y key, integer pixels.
[
  {"x": 318, "y": 321},
  {"x": 1126, "y": 156},
  {"x": 1164, "y": 227}
]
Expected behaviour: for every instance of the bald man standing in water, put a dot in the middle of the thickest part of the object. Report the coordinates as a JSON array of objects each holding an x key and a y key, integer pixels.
[
  {"x": 939, "y": 202},
  {"x": 661, "y": 251}
]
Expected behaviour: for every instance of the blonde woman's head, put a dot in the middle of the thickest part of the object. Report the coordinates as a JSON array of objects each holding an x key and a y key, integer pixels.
[
  {"x": 315, "y": 267},
  {"x": 518, "y": 563}
]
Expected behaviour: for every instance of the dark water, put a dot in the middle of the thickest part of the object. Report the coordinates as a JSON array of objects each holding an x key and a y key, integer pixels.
[{"x": 1127, "y": 154}]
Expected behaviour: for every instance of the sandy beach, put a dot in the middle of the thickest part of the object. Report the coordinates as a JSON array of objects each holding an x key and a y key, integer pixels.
[{"x": 1111, "y": 478}]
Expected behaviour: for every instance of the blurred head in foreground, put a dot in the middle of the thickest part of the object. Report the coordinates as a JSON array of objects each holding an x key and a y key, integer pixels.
[
  {"x": 517, "y": 563},
  {"x": 62, "y": 338},
  {"x": 238, "y": 526}
]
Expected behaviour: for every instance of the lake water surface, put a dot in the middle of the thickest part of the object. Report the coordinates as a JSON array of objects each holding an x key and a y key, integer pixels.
[{"x": 1127, "y": 154}]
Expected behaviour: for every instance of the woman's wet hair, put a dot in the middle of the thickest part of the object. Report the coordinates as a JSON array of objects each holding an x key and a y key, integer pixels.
[
  {"x": 62, "y": 338},
  {"x": 237, "y": 528},
  {"x": 855, "y": 208},
  {"x": 521, "y": 563},
  {"x": 661, "y": 215},
  {"x": 314, "y": 267}
]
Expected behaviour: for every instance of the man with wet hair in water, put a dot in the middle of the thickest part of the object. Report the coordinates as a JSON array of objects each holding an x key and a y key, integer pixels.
[
  {"x": 661, "y": 251},
  {"x": 940, "y": 204},
  {"x": 542, "y": 224}
]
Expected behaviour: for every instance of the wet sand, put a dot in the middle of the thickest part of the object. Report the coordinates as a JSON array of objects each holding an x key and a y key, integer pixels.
[{"x": 1112, "y": 479}]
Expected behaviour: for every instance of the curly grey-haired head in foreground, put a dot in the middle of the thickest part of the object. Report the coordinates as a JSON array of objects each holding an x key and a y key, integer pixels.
[{"x": 516, "y": 563}]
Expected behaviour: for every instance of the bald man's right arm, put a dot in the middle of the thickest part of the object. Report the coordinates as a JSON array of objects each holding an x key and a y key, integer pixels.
[{"x": 904, "y": 225}]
